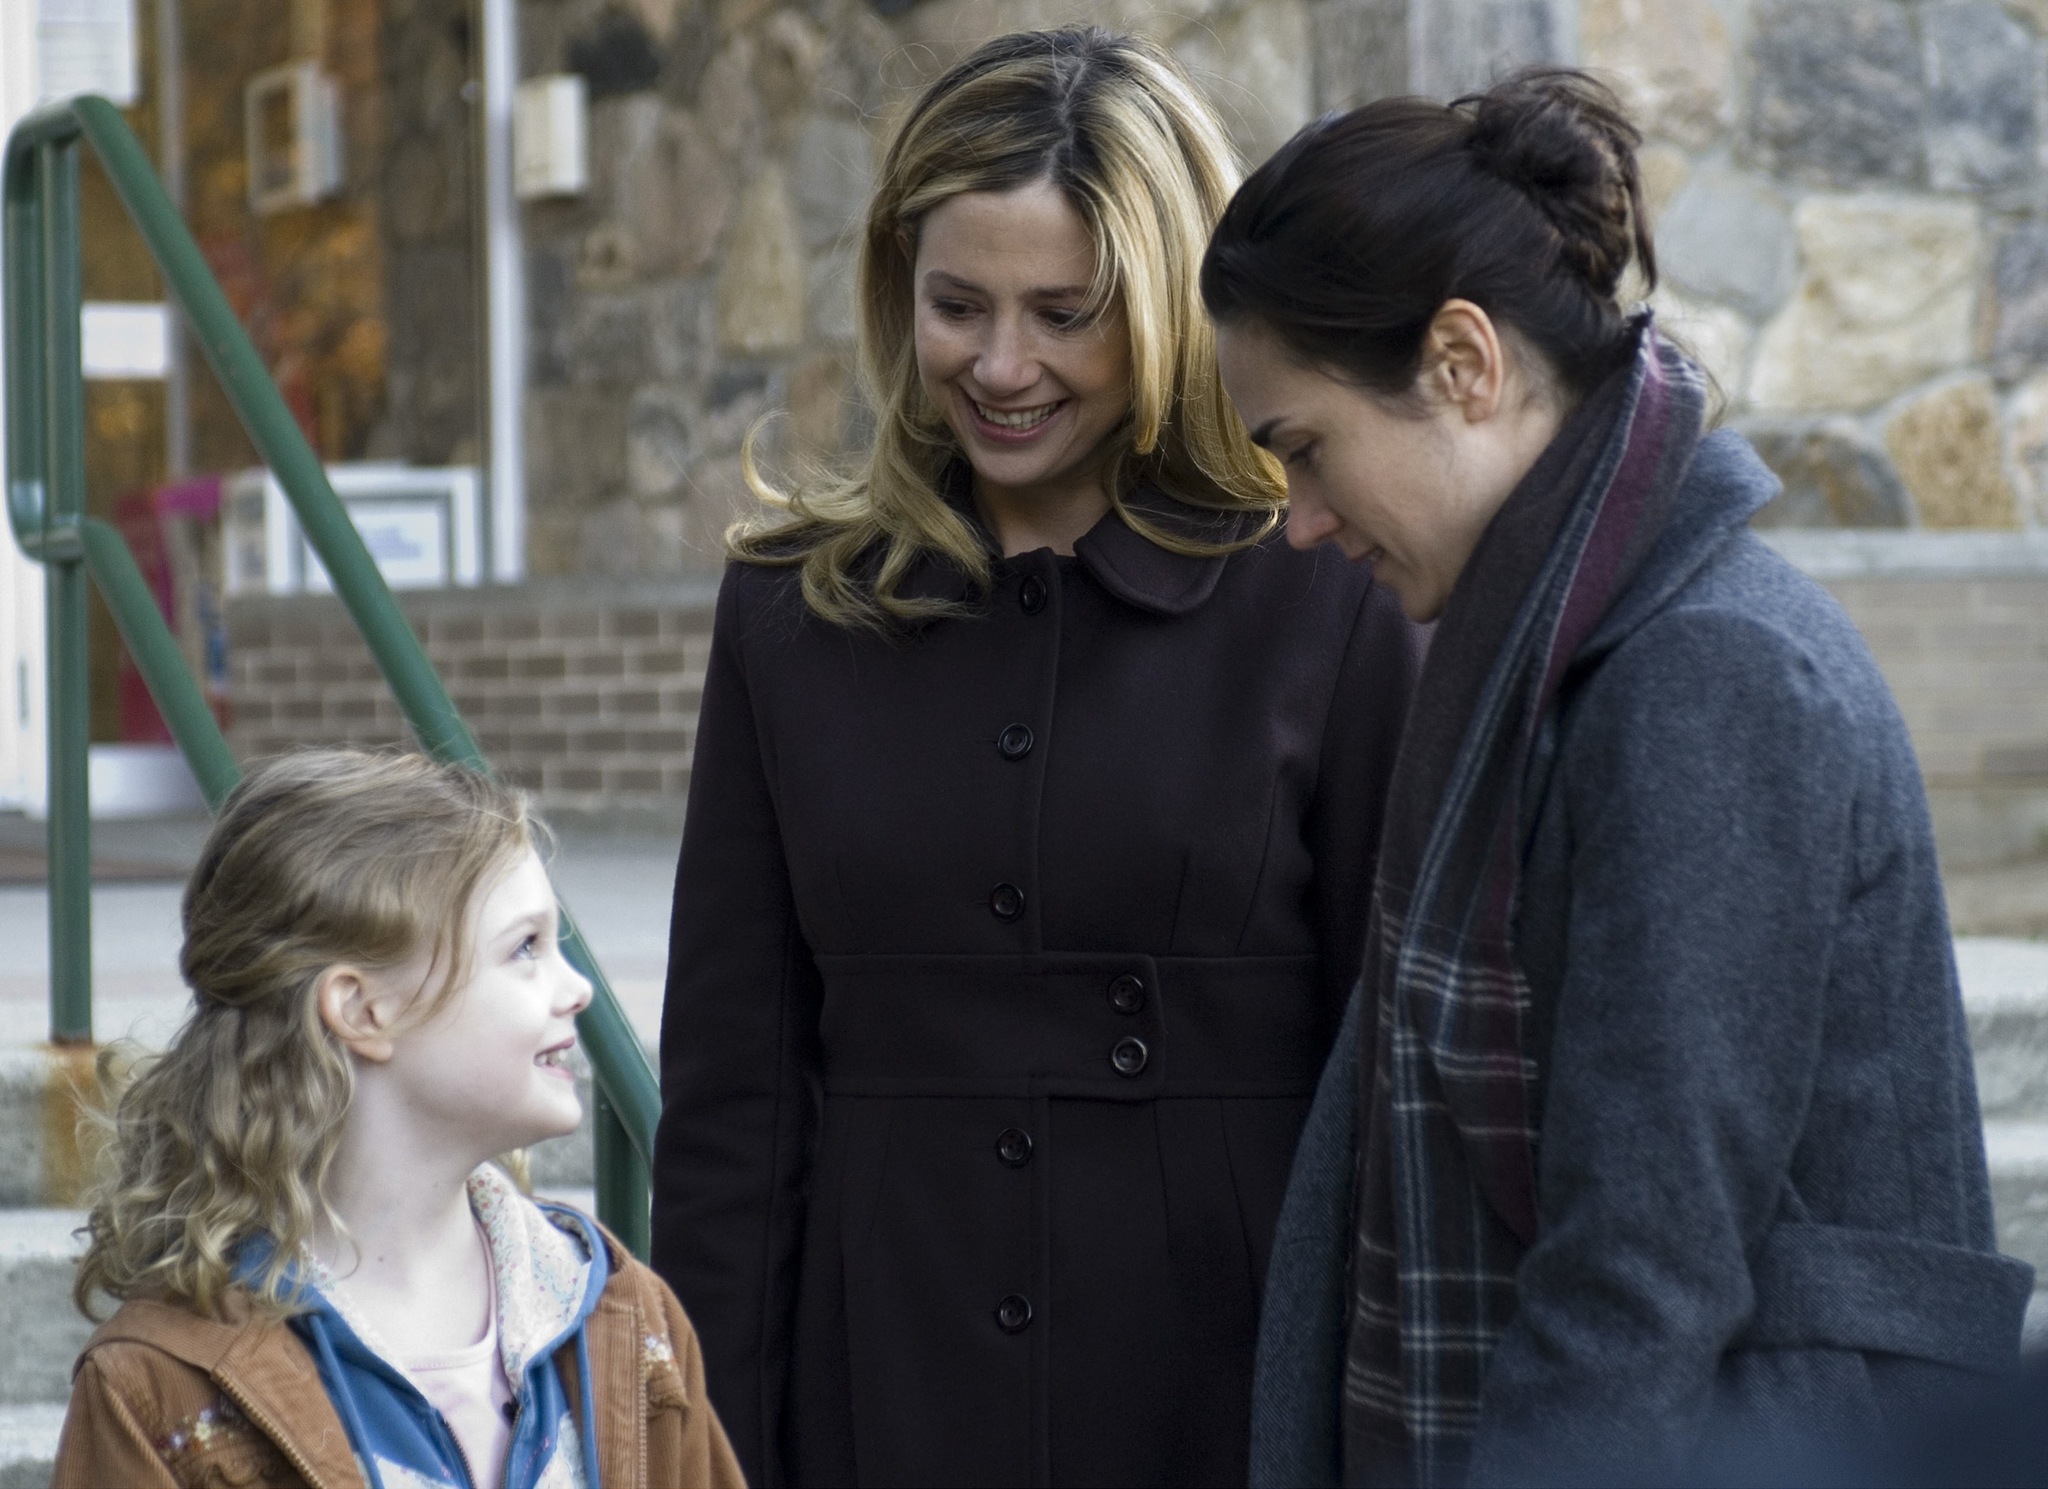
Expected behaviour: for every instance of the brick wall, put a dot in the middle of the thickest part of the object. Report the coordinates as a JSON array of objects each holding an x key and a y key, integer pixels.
[
  {"x": 586, "y": 695},
  {"x": 1967, "y": 659}
]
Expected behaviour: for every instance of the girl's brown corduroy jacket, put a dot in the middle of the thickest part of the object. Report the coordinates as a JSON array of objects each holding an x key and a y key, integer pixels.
[{"x": 164, "y": 1398}]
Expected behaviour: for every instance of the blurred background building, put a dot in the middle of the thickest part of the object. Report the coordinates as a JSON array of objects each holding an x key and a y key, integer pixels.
[{"x": 529, "y": 270}]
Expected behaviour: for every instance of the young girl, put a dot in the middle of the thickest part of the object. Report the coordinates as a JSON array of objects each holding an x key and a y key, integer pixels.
[{"x": 324, "y": 1281}]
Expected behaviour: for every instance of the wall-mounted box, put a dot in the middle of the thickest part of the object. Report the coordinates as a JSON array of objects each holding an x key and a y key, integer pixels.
[
  {"x": 551, "y": 136},
  {"x": 291, "y": 120},
  {"x": 422, "y": 525}
]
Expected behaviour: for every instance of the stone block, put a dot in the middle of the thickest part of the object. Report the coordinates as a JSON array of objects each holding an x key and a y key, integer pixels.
[
  {"x": 615, "y": 53},
  {"x": 1946, "y": 446},
  {"x": 1255, "y": 67},
  {"x": 682, "y": 322},
  {"x": 2020, "y": 277},
  {"x": 1671, "y": 59},
  {"x": 1728, "y": 236},
  {"x": 1834, "y": 475},
  {"x": 733, "y": 405},
  {"x": 551, "y": 273},
  {"x": 719, "y": 496},
  {"x": 1358, "y": 51},
  {"x": 762, "y": 291},
  {"x": 1886, "y": 300},
  {"x": 1718, "y": 338},
  {"x": 575, "y": 446},
  {"x": 1456, "y": 46},
  {"x": 787, "y": 52},
  {"x": 817, "y": 405},
  {"x": 1981, "y": 76},
  {"x": 854, "y": 68},
  {"x": 2026, "y": 442},
  {"x": 1836, "y": 95},
  {"x": 660, "y": 439},
  {"x": 606, "y": 340},
  {"x": 623, "y": 538},
  {"x": 830, "y": 295},
  {"x": 667, "y": 193},
  {"x": 831, "y": 173},
  {"x": 727, "y": 102},
  {"x": 1663, "y": 170}
]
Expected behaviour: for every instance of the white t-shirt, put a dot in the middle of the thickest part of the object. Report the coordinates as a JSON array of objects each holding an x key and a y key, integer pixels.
[{"x": 468, "y": 1388}]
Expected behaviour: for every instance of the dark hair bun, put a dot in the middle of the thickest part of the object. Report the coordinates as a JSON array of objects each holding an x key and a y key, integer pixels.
[
  {"x": 1522, "y": 199},
  {"x": 1564, "y": 139}
]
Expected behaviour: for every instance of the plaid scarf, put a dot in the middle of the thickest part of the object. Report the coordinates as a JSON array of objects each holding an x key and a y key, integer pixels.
[{"x": 1447, "y": 1173}]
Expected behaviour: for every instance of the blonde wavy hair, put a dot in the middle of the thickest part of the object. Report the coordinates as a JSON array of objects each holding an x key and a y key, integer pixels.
[
  {"x": 319, "y": 857},
  {"x": 1116, "y": 124}
]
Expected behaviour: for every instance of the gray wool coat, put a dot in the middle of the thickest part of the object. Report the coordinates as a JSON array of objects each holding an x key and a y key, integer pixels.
[{"x": 1764, "y": 1212}]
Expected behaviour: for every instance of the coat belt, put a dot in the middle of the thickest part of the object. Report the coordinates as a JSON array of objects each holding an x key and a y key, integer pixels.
[
  {"x": 1107, "y": 1027},
  {"x": 1845, "y": 1287}
]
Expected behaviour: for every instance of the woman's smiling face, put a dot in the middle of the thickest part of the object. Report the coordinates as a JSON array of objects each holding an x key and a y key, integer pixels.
[{"x": 1031, "y": 385}]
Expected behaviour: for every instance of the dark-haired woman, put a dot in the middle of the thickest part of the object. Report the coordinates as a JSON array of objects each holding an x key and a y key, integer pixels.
[
  {"x": 1652, "y": 1138},
  {"x": 1036, "y": 794}
]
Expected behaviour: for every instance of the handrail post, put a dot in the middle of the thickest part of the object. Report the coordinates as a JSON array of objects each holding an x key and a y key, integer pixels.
[{"x": 69, "y": 688}]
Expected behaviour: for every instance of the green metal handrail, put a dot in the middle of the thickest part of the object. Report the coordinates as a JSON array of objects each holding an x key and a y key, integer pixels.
[{"x": 45, "y": 416}]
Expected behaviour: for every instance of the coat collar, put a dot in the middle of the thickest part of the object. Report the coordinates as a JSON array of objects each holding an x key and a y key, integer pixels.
[{"x": 1124, "y": 562}]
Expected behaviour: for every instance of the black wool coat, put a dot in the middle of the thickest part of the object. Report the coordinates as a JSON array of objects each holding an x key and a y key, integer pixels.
[{"x": 1005, "y": 956}]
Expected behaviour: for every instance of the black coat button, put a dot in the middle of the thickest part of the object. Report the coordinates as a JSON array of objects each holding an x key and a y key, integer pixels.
[
  {"x": 1013, "y": 1314},
  {"x": 1129, "y": 1056},
  {"x": 1031, "y": 594},
  {"x": 1006, "y": 902},
  {"x": 1014, "y": 1147},
  {"x": 1015, "y": 742},
  {"x": 1127, "y": 993}
]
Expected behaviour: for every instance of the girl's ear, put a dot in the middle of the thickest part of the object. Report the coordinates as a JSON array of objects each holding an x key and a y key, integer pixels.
[{"x": 358, "y": 1010}]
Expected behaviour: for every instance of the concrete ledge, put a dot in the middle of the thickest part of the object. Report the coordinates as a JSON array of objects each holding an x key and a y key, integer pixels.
[
  {"x": 1911, "y": 553},
  {"x": 43, "y": 1094},
  {"x": 42, "y": 1333},
  {"x": 46, "y": 1160},
  {"x": 28, "y": 1444}
]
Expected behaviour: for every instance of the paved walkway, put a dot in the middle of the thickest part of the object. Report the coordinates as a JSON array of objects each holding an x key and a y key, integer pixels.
[{"x": 617, "y": 885}]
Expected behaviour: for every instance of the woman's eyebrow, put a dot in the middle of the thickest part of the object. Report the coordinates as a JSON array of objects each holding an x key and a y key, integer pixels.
[
  {"x": 938, "y": 278},
  {"x": 1263, "y": 435}
]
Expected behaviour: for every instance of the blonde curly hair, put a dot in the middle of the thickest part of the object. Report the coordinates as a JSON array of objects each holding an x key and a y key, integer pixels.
[
  {"x": 1113, "y": 122},
  {"x": 317, "y": 858}
]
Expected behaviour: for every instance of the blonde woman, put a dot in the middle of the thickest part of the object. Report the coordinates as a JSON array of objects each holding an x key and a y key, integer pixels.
[{"x": 1035, "y": 806}]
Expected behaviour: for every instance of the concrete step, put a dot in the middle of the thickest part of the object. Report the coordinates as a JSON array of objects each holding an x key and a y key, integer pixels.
[
  {"x": 2018, "y": 1156},
  {"x": 28, "y": 1444},
  {"x": 40, "y": 1332},
  {"x": 2005, "y": 995}
]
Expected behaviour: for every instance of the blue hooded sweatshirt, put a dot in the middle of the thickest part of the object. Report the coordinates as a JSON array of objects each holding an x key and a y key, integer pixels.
[{"x": 550, "y": 1265}]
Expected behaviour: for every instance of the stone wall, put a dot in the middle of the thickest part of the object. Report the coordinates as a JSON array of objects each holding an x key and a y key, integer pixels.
[
  {"x": 1848, "y": 205},
  {"x": 1847, "y": 196},
  {"x": 705, "y": 280}
]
